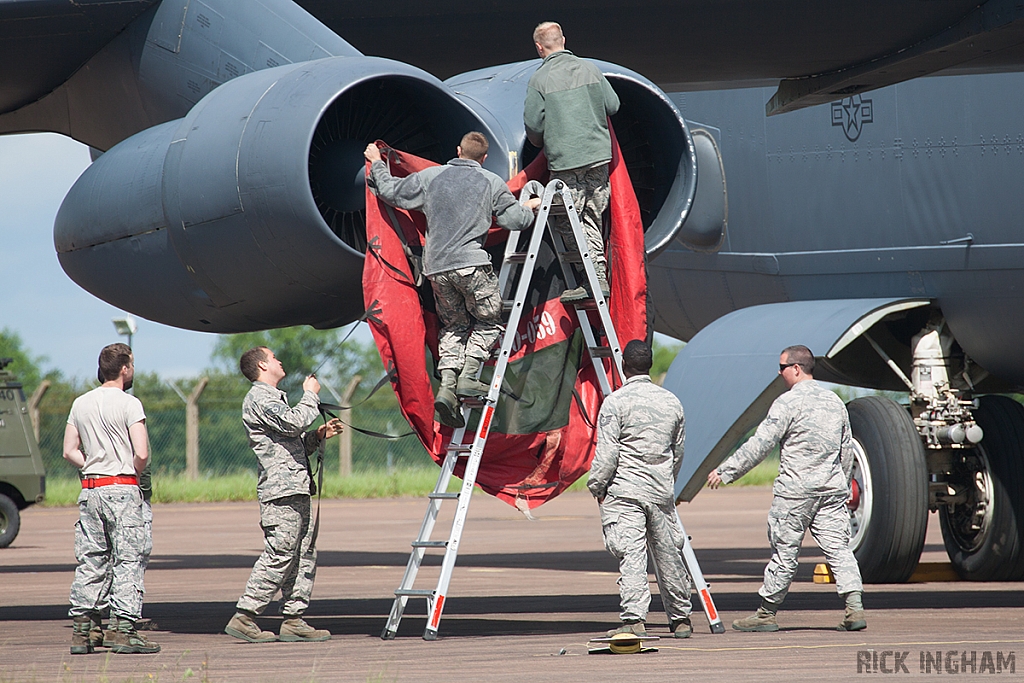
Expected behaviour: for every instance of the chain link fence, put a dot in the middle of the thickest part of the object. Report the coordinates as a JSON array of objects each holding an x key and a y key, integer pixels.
[{"x": 223, "y": 444}]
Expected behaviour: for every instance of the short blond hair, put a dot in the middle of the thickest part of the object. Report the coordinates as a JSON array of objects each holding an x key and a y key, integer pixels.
[
  {"x": 474, "y": 146},
  {"x": 549, "y": 35}
]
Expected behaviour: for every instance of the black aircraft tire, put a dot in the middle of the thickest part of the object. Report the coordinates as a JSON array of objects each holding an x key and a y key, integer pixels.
[
  {"x": 891, "y": 544},
  {"x": 984, "y": 537},
  {"x": 10, "y": 521}
]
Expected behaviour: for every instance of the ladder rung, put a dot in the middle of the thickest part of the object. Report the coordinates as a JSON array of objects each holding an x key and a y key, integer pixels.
[
  {"x": 517, "y": 257},
  {"x": 600, "y": 351},
  {"x": 415, "y": 592},
  {"x": 443, "y": 496},
  {"x": 589, "y": 304},
  {"x": 460, "y": 447},
  {"x": 508, "y": 304},
  {"x": 571, "y": 257},
  {"x": 430, "y": 544}
]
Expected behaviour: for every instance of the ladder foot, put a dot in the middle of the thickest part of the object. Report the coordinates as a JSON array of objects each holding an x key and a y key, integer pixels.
[
  {"x": 718, "y": 627},
  {"x": 388, "y": 635},
  {"x": 429, "y": 635}
]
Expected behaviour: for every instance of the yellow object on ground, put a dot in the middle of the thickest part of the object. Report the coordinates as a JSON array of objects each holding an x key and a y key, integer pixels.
[
  {"x": 823, "y": 574},
  {"x": 928, "y": 572},
  {"x": 624, "y": 644}
]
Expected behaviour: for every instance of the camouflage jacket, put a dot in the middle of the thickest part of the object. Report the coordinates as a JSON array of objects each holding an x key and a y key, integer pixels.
[
  {"x": 640, "y": 432},
  {"x": 277, "y": 434},
  {"x": 816, "y": 455}
]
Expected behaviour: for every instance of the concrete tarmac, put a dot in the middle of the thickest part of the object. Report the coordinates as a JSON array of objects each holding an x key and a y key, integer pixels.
[{"x": 525, "y": 598}]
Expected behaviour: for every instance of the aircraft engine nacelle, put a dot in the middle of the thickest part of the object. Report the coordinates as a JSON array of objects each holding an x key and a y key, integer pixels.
[
  {"x": 664, "y": 159},
  {"x": 248, "y": 212}
]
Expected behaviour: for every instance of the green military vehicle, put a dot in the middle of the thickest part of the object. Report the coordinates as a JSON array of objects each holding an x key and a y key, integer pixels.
[{"x": 22, "y": 478}]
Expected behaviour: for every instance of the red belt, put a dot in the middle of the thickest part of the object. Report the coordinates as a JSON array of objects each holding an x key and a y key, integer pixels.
[{"x": 108, "y": 481}]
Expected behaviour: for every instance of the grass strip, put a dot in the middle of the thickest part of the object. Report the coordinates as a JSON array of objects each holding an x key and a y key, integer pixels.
[
  {"x": 399, "y": 483},
  {"x": 762, "y": 474}
]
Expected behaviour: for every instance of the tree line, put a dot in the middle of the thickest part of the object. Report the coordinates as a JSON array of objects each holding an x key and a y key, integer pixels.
[{"x": 223, "y": 443}]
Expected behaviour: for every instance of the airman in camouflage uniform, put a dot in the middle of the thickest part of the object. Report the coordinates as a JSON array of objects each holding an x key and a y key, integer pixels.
[
  {"x": 279, "y": 437},
  {"x": 106, "y": 439},
  {"x": 591, "y": 194},
  {"x": 816, "y": 461},
  {"x": 96, "y": 634},
  {"x": 639, "y": 451},
  {"x": 568, "y": 102},
  {"x": 460, "y": 200},
  {"x": 469, "y": 306}
]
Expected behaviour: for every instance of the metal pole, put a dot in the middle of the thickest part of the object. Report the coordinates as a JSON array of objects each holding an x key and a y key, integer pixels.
[
  {"x": 192, "y": 430},
  {"x": 345, "y": 438},
  {"x": 33, "y": 405}
]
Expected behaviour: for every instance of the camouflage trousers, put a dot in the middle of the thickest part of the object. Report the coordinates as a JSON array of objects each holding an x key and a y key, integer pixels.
[
  {"x": 828, "y": 518},
  {"x": 632, "y": 529},
  {"x": 110, "y": 543},
  {"x": 469, "y": 306},
  {"x": 591, "y": 194},
  {"x": 103, "y": 602},
  {"x": 288, "y": 562}
]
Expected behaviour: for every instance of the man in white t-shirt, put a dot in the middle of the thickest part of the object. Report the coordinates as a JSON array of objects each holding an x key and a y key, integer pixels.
[{"x": 106, "y": 438}]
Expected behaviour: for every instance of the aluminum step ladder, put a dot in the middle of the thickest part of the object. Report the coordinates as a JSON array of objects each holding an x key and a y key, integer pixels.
[{"x": 472, "y": 452}]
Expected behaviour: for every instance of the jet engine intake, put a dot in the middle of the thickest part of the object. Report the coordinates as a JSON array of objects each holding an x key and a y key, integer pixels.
[
  {"x": 248, "y": 212},
  {"x": 656, "y": 144}
]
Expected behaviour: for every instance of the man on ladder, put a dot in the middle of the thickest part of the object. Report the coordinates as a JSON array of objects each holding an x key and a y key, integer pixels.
[
  {"x": 460, "y": 199},
  {"x": 568, "y": 102},
  {"x": 640, "y": 432},
  {"x": 469, "y": 453}
]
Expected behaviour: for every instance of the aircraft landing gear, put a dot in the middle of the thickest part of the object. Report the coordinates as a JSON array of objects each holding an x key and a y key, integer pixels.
[
  {"x": 889, "y": 502},
  {"x": 934, "y": 458},
  {"x": 981, "y": 505}
]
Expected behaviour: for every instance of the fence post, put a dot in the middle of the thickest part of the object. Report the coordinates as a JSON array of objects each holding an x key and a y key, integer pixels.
[
  {"x": 345, "y": 439},
  {"x": 192, "y": 430},
  {"x": 33, "y": 405}
]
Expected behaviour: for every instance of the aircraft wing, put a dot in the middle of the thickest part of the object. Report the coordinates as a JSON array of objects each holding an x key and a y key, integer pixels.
[
  {"x": 814, "y": 52},
  {"x": 726, "y": 378},
  {"x": 43, "y": 42}
]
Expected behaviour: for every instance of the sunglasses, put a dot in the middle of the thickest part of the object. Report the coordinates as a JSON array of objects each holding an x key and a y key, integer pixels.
[{"x": 782, "y": 368}]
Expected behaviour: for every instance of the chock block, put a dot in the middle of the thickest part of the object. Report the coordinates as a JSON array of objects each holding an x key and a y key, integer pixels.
[
  {"x": 823, "y": 574},
  {"x": 928, "y": 572}
]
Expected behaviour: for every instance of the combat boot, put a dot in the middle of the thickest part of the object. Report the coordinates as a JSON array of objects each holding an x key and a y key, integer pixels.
[
  {"x": 96, "y": 632},
  {"x": 761, "y": 620},
  {"x": 572, "y": 296},
  {"x": 446, "y": 404},
  {"x": 296, "y": 630},
  {"x": 853, "y": 620},
  {"x": 469, "y": 386},
  {"x": 244, "y": 627},
  {"x": 80, "y": 641},
  {"x": 125, "y": 640},
  {"x": 682, "y": 628},
  {"x": 635, "y": 628}
]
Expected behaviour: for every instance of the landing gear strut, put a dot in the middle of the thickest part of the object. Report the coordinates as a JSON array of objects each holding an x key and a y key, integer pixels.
[{"x": 980, "y": 509}]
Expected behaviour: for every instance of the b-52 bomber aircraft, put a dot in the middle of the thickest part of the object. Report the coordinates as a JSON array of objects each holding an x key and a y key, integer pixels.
[{"x": 844, "y": 175}]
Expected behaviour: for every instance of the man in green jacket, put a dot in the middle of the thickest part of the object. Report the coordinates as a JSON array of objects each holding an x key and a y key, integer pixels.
[{"x": 568, "y": 102}]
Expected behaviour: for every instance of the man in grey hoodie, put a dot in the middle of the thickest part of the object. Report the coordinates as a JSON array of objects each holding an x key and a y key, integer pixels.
[
  {"x": 568, "y": 102},
  {"x": 460, "y": 200}
]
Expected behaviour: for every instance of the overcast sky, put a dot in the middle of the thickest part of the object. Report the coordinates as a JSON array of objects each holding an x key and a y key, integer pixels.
[{"x": 54, "y": 316}]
